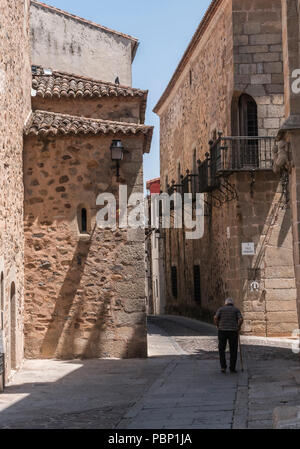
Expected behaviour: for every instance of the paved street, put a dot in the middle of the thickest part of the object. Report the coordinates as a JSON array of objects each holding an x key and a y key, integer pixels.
[{"x": 179, "y": 386}]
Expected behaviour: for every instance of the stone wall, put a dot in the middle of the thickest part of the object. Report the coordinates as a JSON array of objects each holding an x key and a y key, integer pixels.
[
  {"x": 258, "y": 66},
  {"x": 290, "y": 131},
  {"x": 15, "y": 79},
  {"x": 200, "y": 104},
  {"x": 85, "y": 294},
  {"x": 119, "y": 109},
  {"x": 63, "y": 42},
  {"x": 239, "y": 52}
]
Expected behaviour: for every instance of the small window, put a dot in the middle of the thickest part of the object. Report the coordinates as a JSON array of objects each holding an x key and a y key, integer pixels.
[
  {"x": 178, "y": 173},
  {"x": 83, "y": 220},
  {"x": 174, "y": 282},
  {"x": 191, "y": 77},
  {"x": 194, "y": 160},
  {"x": 82, "y": 216},
  {"x": 197, "y": 284}
]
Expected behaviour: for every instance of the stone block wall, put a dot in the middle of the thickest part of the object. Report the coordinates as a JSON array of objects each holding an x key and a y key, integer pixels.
[
  {"x": 200, "y": 104},
  {"x": 258, "y": 66},
  {"x": 15, "y": 83},
  {"x": 244, "y": 55},
  {"x": 85, "y": 294}
]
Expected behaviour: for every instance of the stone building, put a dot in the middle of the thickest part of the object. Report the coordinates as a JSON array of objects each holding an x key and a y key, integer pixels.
[
  {"x": 85, "y": 287},
  {"x": 155, "y": 291},
  {"x": 219, "y": 115},
  {"x": 15, "y": 79},
  {"x": 70, "y": 288},
  {"x": 289, "y": 133}
]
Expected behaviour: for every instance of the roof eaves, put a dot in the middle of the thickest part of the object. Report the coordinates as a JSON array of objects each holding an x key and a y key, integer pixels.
[{"x": 82, "y": 125}]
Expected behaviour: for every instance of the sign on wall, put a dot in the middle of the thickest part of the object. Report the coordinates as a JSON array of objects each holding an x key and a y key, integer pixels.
[{"x": 248, "y": 249}]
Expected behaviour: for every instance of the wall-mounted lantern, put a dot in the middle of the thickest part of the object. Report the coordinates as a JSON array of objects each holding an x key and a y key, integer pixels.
[{"x": 117, "y": 153}]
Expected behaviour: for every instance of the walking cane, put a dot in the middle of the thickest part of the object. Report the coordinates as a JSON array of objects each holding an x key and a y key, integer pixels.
[{"x": 241, "y": 353}]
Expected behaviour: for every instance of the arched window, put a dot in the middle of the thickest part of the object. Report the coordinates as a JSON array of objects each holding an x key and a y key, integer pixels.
[
  {"x": 1, "y": 300},
  {"x": 13, "y": 326},
  {"x": 248, "y": 127},
  {"x": 248, "y": 122}
]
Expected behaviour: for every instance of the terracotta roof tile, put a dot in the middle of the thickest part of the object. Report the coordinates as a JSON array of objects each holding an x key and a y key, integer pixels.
[
  {"x": 49, "y": 123},
  {"x": 62, "y": 85}
]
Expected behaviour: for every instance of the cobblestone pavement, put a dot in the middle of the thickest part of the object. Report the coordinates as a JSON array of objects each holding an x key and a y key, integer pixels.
[{"x": 178, "y": 387}]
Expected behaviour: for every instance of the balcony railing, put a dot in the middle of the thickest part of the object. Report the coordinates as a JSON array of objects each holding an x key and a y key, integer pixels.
[
  {"x": 232, "y": 154},
  {"x": 226, "y": 155}
]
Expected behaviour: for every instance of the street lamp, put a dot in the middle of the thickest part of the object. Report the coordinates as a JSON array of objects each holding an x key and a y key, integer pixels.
[{"x": 117, "y": 153}]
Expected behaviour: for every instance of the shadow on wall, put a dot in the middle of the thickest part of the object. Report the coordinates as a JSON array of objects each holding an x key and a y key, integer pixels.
[
  {"x": 64, "y": 339},
  {"x": 67, "y": 308},
  {"x": 257, "y": 218}
]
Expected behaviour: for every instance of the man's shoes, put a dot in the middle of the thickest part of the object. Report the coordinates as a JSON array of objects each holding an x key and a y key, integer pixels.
[
  {"x": 223, "y": 370},
  {"x": 233, "y": 371}
]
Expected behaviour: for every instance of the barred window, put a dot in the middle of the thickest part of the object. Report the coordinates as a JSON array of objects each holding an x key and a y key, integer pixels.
[
  {"x": 174, "y": 282},
  {"x": 197, "y": 284}
]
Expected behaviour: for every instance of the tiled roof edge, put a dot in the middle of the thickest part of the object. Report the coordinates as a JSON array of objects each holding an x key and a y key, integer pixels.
[{"x": 120, "y": 127}]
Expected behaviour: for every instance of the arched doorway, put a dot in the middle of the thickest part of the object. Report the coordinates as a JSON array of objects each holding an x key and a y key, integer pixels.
[{"x": 13, "y": 327}]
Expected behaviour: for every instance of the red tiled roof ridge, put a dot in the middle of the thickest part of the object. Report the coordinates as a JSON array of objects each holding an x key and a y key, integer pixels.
[
  {"x": 134, "y": 40},
  {"x": 86, "y": 78},
  {"x": 194, "y": 41},
  {"x": 53, "y": 123}
]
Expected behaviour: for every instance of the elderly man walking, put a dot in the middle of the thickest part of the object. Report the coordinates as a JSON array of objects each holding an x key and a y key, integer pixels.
[{"x": 228, "y": 320}]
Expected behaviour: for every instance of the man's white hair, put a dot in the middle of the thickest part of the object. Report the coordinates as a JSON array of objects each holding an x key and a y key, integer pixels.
[{"x": 229, "y": 301}]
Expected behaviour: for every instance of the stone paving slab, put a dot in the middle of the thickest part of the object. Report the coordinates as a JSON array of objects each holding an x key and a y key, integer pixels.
[{"x": 178, "y": 387}]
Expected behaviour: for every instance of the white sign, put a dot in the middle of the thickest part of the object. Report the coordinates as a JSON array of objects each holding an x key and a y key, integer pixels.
[
  {"x": 248, "y": 249},
  {"x": 254, "y": 286},
  {"x": 228, "y": 233}
]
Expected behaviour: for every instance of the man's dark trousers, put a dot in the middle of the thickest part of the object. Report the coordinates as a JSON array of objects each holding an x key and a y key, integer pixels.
[{"x": 233, "y": 338}]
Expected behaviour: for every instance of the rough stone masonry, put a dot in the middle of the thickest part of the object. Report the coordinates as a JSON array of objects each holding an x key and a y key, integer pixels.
[
  {"x": 15, "y": 83},
  {"x": 234, "y": 56}
]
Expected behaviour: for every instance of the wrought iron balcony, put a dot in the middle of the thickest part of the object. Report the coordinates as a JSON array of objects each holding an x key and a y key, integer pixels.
[
  {"x": 231, "y": 154},
  {"x": 226, "y": 155}
]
